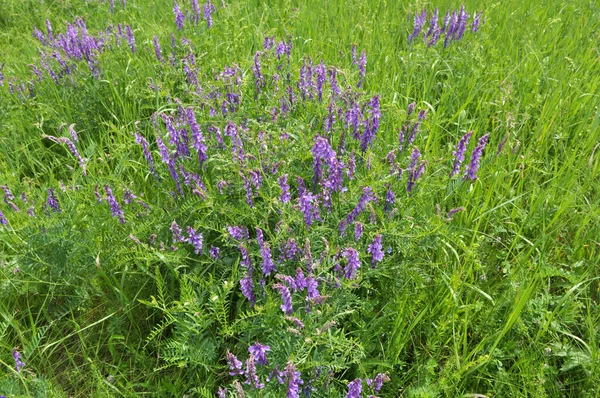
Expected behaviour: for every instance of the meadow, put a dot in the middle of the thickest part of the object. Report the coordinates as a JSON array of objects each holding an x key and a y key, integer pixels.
[{"x": 361, "y": 198}]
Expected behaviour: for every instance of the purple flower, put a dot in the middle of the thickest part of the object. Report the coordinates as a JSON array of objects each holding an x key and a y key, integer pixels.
[
  {"x": 128, "y": 197},
  {"x": 157, "y": 50},
  {"x": 285, "y": 189},
  {"x": 365, "y": 198},
  {"x": 247, "y": 287},
  {"x": 313, "y": 296},
  {"x": 51, "y": 202},
  {"x": 196, "y": 11},
  {"x": 249, "y": 193},
  {"x": 433, "y": 23},
  {"x": 471, "y": 172},
  {"x": 358, "y": 231},
  {"x": 335, "y": 89},
  {"x": 269, "y": 42},
  {"x": 288, "y": 250},
  {"x": 222, "y": 392},
  {"x": 130, "y": 38},
  {"x": 259, "y": 80},
  {"x": 413, "y": 170},
  {"x": 268, "y": 265},
  {"x": 462, "y": 22},
  {"x": 321, "y": 75},
  {"x": 114, "y": 205},
  {"x": 8, "y": 195},
  {"x": 293, "y": 380},
  {"x": 195, "y": 239},
  {"x": 362, "y": 68},
  {"x": 309, "y": 207},
  {"x": 235, "y": 365},
  {"x": 260, "y": 353},
  {"x": 197, "y": 137},
  {"x": 300, "y": 279},
  {"x": 286, "y": 297},
  {"x": 351, "y": 270},
  {"x": 209, "y": 8},
  {"x": 299, "y": 324},
  {"x": 238, "y": 233},
  {"x": 390, "y": 199},
  {"x": 452, "y": 212},
  {"x": 250, "y": 373},
  {"x": 169, "y": 161},
  {"x": 372, "y": 124},
  {"x": 3, "y": 220},
  {"x": 419, "y": 23},
  {"x": 179, "y": 17},
  {"x": 459, "y": 153},
  {"x": 351, "y": 166},
  {"x": 375, "y": 249},
  {"x": 476, "y": 21},
  {"x": 214, "y": 252},
  {"x": 377, "y": 382},
  {"x": 19, "y": 364},
  {"x": 176, "y": 231},
  {"x": 146, "y": 150},
  {"x": 355, "y": 389}
]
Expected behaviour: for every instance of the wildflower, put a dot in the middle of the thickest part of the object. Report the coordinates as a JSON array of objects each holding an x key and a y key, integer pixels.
[
  {"x": 432, "y": 24},
  {"x": 265, "y": 251},
  {"x": 362, "y": 68},
  {"x": 250, "y": 373},
  {"x": 249, "y": 193},
  {"x": 313, "y": 294},
  {"x": 285, "y": 189},
  {"x": 293, "y": 381},
  {"x": 157, "y": 49},
  {"x": 176, "y": 231},
  {"x": 235, "y": 365},
  {"x": 321, "y": 75},
  {"x": 335, "y": 89},
  {"x": 476, "y": 21},
  {"x": 179, "y": 17},
  {"x": 195, "y": 239},
  {"x": 247, "y": 287},
  {"x": 358, "y": 231},
  {"x": 300, "y": 279},
  {"x": 377, "y": 382},
  {"x": 19, "y": 364},
  {"x": 390, "y": 199},
  {"x": 260, "y": 353},
  {"x": 459, "y": 153},
  {"x": 355, "y": 389},
  {"x": 130, "y": 38},
  {"x": 501, "y": 144},
  {"x": 259, "y": 80},
  {"x": 197, "y": 137},
  {"x": 51, "y": 202},
  {"x": 351, "y": 255},
  {"x": 419, "y": 22},
  {"x": 209, "y": 8},
  {"x": 114, "y": 205},
  {"x": 214, "y": 252},
  {"x": 375, "y": 250},
  {"x": 3, "y": 220},
  {"x": 471, "y": 172},
  {"x": 169, "y": 161},
  {"x": 222, "y": 392},
  {"x": 286, "y": 297},
  {"x": 351, "y": 166},
  {"x": 462, "y": 22},
  {"x": 412, "y": 169},
  {"x": 238, "y": 233},
  {"x": 146, "y": 150},
  {"x": 365, "y": 198},
  {"x": 309, "y": 208},
  {"x": 452, "y": 212}
]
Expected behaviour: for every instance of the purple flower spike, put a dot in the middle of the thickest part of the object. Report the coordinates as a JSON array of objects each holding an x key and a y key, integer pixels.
[
  {"x": 146, "y": 150},
  {"x": 362, "y": 68},
  {"x": 358, "y": 231},
  {"x": 293, "y": 381},
  {"x": 247, "y": 287},
  {"x": 179, "y": 17},
  {"x": 471, "y": 172},
  {"x": 176, "y": 231},
  {"x": 195, "y": 239},
  {"x": 209, "y": 8},
  {"x": 476, "y": 22},
  {"x": 260, "y": 353},
  {"x": 309, "y": 208},
  {"x": 19, "y": 364},
  {"x": 390, "y": 199},
  {"x": 459, "y": 153},
  {"x": 377, "y": 382},
  {"x": 235, "y": 365},
  {"x": 351, "y": 270},
  {"x": 375, "y": 249},
  {"x": 250, "y": 373},
  {"x": 268, "y": 265},
  {"x": 419, "y": 23},
  {"x": 51, "y": 202},
  {"x": 157, "y": 50},
  {"x": 114, "y": 205},
  {"x": 222, "y": 392},
  {"x": 285, "y": 189},
  {"x": 130, "y": 38},
  {"x": 238, "y": 233},
  {"x": 3, "y": 220},
  {"x": 259, "y": 79},
  {"x": 197, "y": 137},
  {"x": 286, "y": 296},
  {"x": 214, "y": 252},
  {"x": 355, "y": 389},
  {"x": 321, "y": 76}
]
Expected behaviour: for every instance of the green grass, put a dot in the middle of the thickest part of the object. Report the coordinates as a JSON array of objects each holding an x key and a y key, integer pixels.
[{"x": 500, "y": 301}]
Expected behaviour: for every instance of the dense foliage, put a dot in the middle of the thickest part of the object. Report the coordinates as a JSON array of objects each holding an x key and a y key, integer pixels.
[{"x": 301, "y": 199}]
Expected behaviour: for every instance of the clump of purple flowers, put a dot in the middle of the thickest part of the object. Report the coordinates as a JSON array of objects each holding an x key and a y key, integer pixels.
[
  {"x": 375, "y": 249},
  {"x": 459, "y": 153},
  {"x": 51, "y": 202},
  {"x": 354, "y": 389},
  {"x": 473, "y": 166},
  {"x": 453, "y": 28},
  {"x": 260, "y": 352},
  {"x": 114, "y": 205},
  {"x": 19, "y": 364}
]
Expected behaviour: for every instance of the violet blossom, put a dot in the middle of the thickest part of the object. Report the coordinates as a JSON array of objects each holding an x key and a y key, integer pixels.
[
  {"x": 195, "y": 239},
  {"x": 351, "y": 269},
  {"x": 471, "y": 172},
  {"x": 375, "y": 249},
  {"x": 260, "y": 353},
  {"x": 114, "y": 205},
  {"x": 286, "y": 296},
  {"x": 459, "y": 153}
]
